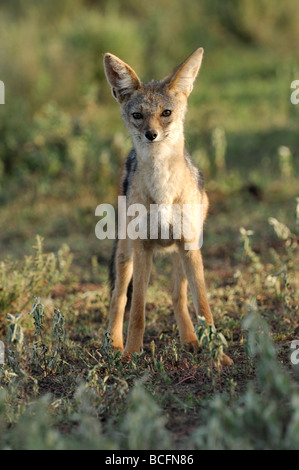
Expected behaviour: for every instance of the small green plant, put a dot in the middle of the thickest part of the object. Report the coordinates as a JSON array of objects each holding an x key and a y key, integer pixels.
[
  {"x": 211, "y": 341},
  {"x": 248, "y": 251},
  {"x": 143, "y": 426},
  {"x": 265, "y": 416},
  {"x": 286, "y": 291},
  {"x": 47, "y": 353},
  {"x": 109, "y": 357},
  {"x": 39, "y": 347},
  {"x": 39, "y": 273},
  {"x": 58, "y": 334},
  {"x": 285, "y": 162},
  {"x": 15, "y": 331},
  {"x": 284, "y": 233}
]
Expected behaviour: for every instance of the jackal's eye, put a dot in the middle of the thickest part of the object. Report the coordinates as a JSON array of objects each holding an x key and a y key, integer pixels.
[
  {"x": 166, "y": 113},
  {"x": 137, "y": 115}
]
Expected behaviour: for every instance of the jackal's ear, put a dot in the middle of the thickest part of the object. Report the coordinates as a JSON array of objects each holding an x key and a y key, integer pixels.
[
  {"x": 182, "y": 78},
  {"x": 121, "y": 77}
]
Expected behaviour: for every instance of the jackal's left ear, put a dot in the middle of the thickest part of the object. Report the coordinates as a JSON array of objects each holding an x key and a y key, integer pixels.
[
  {"x": 121, "y": 77},
  {"x": 182, "y": 78}
]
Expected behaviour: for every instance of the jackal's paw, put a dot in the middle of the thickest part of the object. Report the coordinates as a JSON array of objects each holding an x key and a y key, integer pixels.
[
  {"x": 128, "y": 355},
  {"x": 226, "y": 361},
  {"x": 117, "y": 346},
  {"x": 191, "y": 346}
]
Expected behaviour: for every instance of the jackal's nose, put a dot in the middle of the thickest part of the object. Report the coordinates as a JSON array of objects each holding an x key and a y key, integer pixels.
[{"x": 151, "y": 135}]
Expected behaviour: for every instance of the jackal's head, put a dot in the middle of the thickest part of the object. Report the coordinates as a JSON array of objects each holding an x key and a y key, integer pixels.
[{"x": 153, "y": 112}]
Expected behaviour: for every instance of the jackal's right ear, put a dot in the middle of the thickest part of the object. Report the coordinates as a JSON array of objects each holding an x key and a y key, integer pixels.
[{"x": 121, "y": 77}]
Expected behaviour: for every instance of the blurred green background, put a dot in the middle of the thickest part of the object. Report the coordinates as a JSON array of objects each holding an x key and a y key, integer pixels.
[
  {"x": 62, "y": 141},
  {"x": 62, "y": 145}
]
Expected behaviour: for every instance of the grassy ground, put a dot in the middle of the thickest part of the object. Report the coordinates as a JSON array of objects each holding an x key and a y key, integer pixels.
[
  {"x": 61, "y": 385},
  {"x": 77, "y": 357}
]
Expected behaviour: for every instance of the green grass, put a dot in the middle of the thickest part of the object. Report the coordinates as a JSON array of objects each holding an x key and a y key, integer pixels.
[
  {"x": 62, "y": 144},
  {"x": 61, "y": 369}
]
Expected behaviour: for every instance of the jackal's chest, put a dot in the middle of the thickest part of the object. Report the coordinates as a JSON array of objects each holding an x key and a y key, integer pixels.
[
  {"x": 161, "y": 187},
  {"x": 161, "y": 223}
]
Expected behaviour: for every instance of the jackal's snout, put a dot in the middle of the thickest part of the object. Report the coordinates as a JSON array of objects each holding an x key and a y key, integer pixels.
[{"x": 151, "y": 135}]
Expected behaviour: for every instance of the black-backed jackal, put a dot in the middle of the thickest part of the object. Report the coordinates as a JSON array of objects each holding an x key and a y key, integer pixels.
[{"x": 157, "y": 172}]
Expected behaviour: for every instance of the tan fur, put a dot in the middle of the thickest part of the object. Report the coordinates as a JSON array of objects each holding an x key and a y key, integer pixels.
[{"x": 164, "y": 175}]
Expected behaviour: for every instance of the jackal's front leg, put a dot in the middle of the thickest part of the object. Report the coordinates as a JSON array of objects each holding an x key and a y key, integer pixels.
[
  {"x": 123, "y": 269},
  {"x": 179, "y": 297},
  {"x": 193, "y": 267},
  {"x": 142, "y": 262}
]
